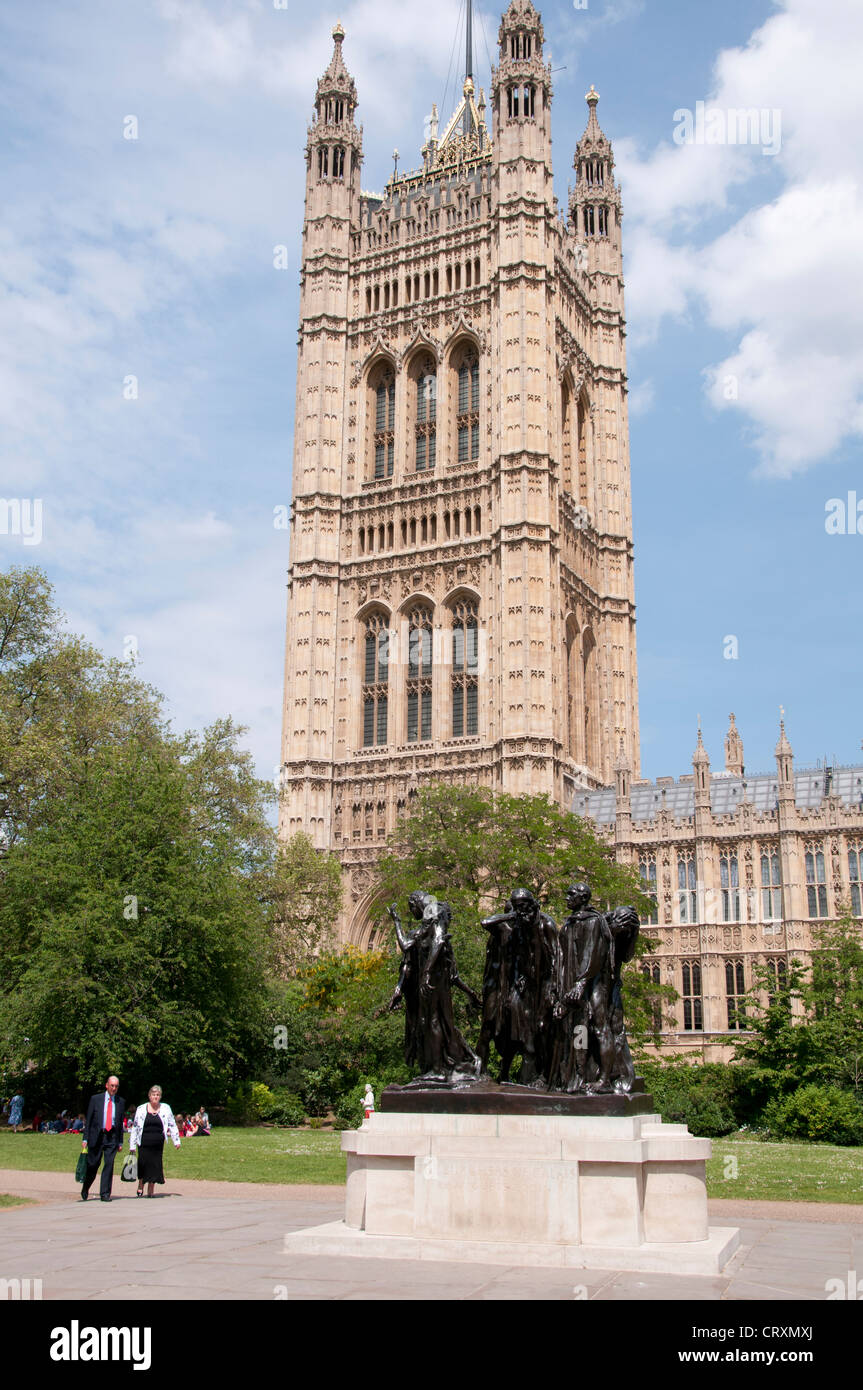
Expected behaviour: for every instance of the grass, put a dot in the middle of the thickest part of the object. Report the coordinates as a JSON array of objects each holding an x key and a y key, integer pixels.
[
  {"x": 229, "y": 1155},
  {"x": 7, "y": 1200},
  {"x": 773, "y": 1172},
  {"x": 784, "y": 1172}
]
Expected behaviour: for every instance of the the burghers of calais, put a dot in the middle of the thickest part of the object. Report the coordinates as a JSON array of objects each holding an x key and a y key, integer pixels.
[{"x": 551, "y": 996}]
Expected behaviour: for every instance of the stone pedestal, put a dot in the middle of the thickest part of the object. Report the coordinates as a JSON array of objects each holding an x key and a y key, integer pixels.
[{"x": 613, "y": 1192}]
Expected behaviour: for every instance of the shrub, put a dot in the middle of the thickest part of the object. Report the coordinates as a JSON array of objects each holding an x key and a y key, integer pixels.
[
  {"x": 700, "y": 1095},
  {"x": 246, "y": 1105},
  {"x": 820, "y": 1114},
  {"x": 284, "y": 1108},
  {"x": 320, "y": 1088}
]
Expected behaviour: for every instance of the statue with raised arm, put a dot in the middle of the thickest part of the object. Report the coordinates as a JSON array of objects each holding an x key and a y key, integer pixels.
[{"x": 428, "y": 974}]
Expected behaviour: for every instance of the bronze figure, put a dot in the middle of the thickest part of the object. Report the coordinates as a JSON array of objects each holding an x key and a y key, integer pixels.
[{"x": 428, "y": 974}]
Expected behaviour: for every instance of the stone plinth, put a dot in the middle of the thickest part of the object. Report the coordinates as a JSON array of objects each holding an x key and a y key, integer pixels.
[{"x": 614, "y": 1192}]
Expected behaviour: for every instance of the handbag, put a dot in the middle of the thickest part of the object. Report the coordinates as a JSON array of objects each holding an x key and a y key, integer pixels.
[
  {"x": 130, "y": 1169},
  {"x": 81, "y": 1167}
]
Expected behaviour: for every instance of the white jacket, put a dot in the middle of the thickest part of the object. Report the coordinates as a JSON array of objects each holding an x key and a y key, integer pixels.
[{"x": 169, "y": 1125}]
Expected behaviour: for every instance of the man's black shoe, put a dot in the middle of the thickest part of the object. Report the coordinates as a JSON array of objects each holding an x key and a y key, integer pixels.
[
  {"x": 83, "y": 1195},
  {"x": 105, "y": 1199}
]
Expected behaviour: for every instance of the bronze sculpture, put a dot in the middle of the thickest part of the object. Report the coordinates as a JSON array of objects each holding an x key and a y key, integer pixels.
[
  {"x": 552, "y": 997},
  {"x": 427, "y": 976}
]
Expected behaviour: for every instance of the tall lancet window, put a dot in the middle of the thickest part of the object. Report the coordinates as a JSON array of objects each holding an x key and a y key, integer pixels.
[
  {"x": 465, "y": 670},
  {"x": 376, "y": 674},
  {"x": 566, "y": 439},
  {"x": 583, "y": 480},
  {"x": 467, "y": 406},
  {"x": 419, "y": 688},
  {"x": 383, "y": 409},
  {"x": 425, "y": 414}
]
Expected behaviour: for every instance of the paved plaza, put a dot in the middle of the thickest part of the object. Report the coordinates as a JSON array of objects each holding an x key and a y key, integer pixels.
[{"x": 226, "y": 1241}]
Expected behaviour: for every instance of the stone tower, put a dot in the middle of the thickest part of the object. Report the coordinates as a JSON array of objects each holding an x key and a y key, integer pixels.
[{"x": 461, "y": 603}]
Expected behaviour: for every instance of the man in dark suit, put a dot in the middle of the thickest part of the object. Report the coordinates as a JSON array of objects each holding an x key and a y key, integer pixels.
[{"x": 103, "y": 1132}]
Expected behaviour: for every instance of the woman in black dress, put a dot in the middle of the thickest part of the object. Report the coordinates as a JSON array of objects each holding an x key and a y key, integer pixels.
[{"x": 153, "y": 1124}]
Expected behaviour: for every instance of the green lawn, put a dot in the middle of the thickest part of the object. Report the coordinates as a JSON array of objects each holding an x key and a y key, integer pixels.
[
  {"x": 776, "y": 1172},
  {"x": 229, "y": 1155},
  {"x": 6, "y": 1200},
  {"x": 785, "y": 1172}
]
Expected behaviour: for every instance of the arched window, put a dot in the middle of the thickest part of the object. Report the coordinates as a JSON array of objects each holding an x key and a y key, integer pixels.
[
  {"x": 647, "y": 872},
  {"x": 693, "y": 1015},
  {"x": 566, "y": 439},
  {"x": 574, "y": 693},
  {"x": 687, "y": 887},
  {"x": 382, "y": 384},
  {"x": 729, "y": 883},
  {"x": 771, "y": 885},
  {"x": 375, "y": 681},
  {"x": 777, "y": 977},
  {"x": 590, "y": 697},
  {"x": 816, "y": 881},
  {"x": 582, "y": 415},
  {"x": 734, "y": 992},
  {"x": 419, "y": 684},
  {"x": 651, "y": 972},
  {"x": 424, "y": 374},
  {"x": 466, "y": 365},
  {"x": 465, "y": 669}
]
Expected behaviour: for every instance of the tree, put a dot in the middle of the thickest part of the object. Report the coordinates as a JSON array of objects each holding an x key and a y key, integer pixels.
[
  {"x": 472, "y": 847},
  {"x": 834, "y": 998},
  {"x": 61, "y": 702},
  {"x": 306, "y": 899},
  {"x": 143, "y": 894},
  {"x": 131, "y": 942},
  {"x": 807, "y": 1028}
]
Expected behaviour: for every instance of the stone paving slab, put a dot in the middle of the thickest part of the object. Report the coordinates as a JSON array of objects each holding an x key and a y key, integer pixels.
[{"x": 224, "y": 1241}]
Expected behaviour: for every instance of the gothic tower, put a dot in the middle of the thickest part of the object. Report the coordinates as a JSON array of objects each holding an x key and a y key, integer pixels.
[{"x": 461, "y": 602}]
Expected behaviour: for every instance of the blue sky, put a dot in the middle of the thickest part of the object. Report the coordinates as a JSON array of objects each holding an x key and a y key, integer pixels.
[{"x": 153, "y": 258}]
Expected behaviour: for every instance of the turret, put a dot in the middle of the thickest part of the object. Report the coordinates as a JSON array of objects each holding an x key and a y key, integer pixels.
[
  {"x": 701, "y": 773},
  {"x": 335, "y": 147},
  {"x": 521, "y": 85},
  {"x": 785, "y": 766},
  {"x": 594, "y": 203},
  {"x": 733, "y": 749}
]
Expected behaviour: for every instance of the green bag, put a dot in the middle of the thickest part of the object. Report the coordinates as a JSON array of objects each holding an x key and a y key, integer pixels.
[{"x": 81, "y": 1168}]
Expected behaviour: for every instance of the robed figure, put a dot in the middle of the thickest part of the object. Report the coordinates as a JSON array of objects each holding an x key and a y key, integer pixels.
[
  {"x": 519, "y": 987},
  {"x": 433, "y": 1043}
]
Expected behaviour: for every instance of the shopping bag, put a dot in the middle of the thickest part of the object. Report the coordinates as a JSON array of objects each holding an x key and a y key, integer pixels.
[
  {"x": 130, "y": 1169},
  {"x": 81, "y": 1167}
]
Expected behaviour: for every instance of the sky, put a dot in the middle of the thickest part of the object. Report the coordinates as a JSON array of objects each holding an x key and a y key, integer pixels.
[{"x": 152, "y": 165}]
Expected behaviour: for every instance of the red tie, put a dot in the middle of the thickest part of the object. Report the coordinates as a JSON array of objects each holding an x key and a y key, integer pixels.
[{"x": 109, "y": 1115}]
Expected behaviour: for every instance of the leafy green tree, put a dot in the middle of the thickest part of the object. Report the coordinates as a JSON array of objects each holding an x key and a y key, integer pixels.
[
  {"x": 833, "y": 996},
  {"x": 133, "y": 943},
  {"x": 306, "y": 897},
  {"x": 808, "y": 1028},
  {"x": 61, "y": 702},
  {"x": 144, "y": 899}
]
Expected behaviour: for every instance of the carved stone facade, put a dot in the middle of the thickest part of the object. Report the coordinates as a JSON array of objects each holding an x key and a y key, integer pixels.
[
  {"x": 461, "y": 601},
  {"x": 742, "y": 866}
]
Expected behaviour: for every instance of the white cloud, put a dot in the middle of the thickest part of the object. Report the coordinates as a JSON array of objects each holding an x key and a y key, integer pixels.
[{"x": 785, "y": 277}]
